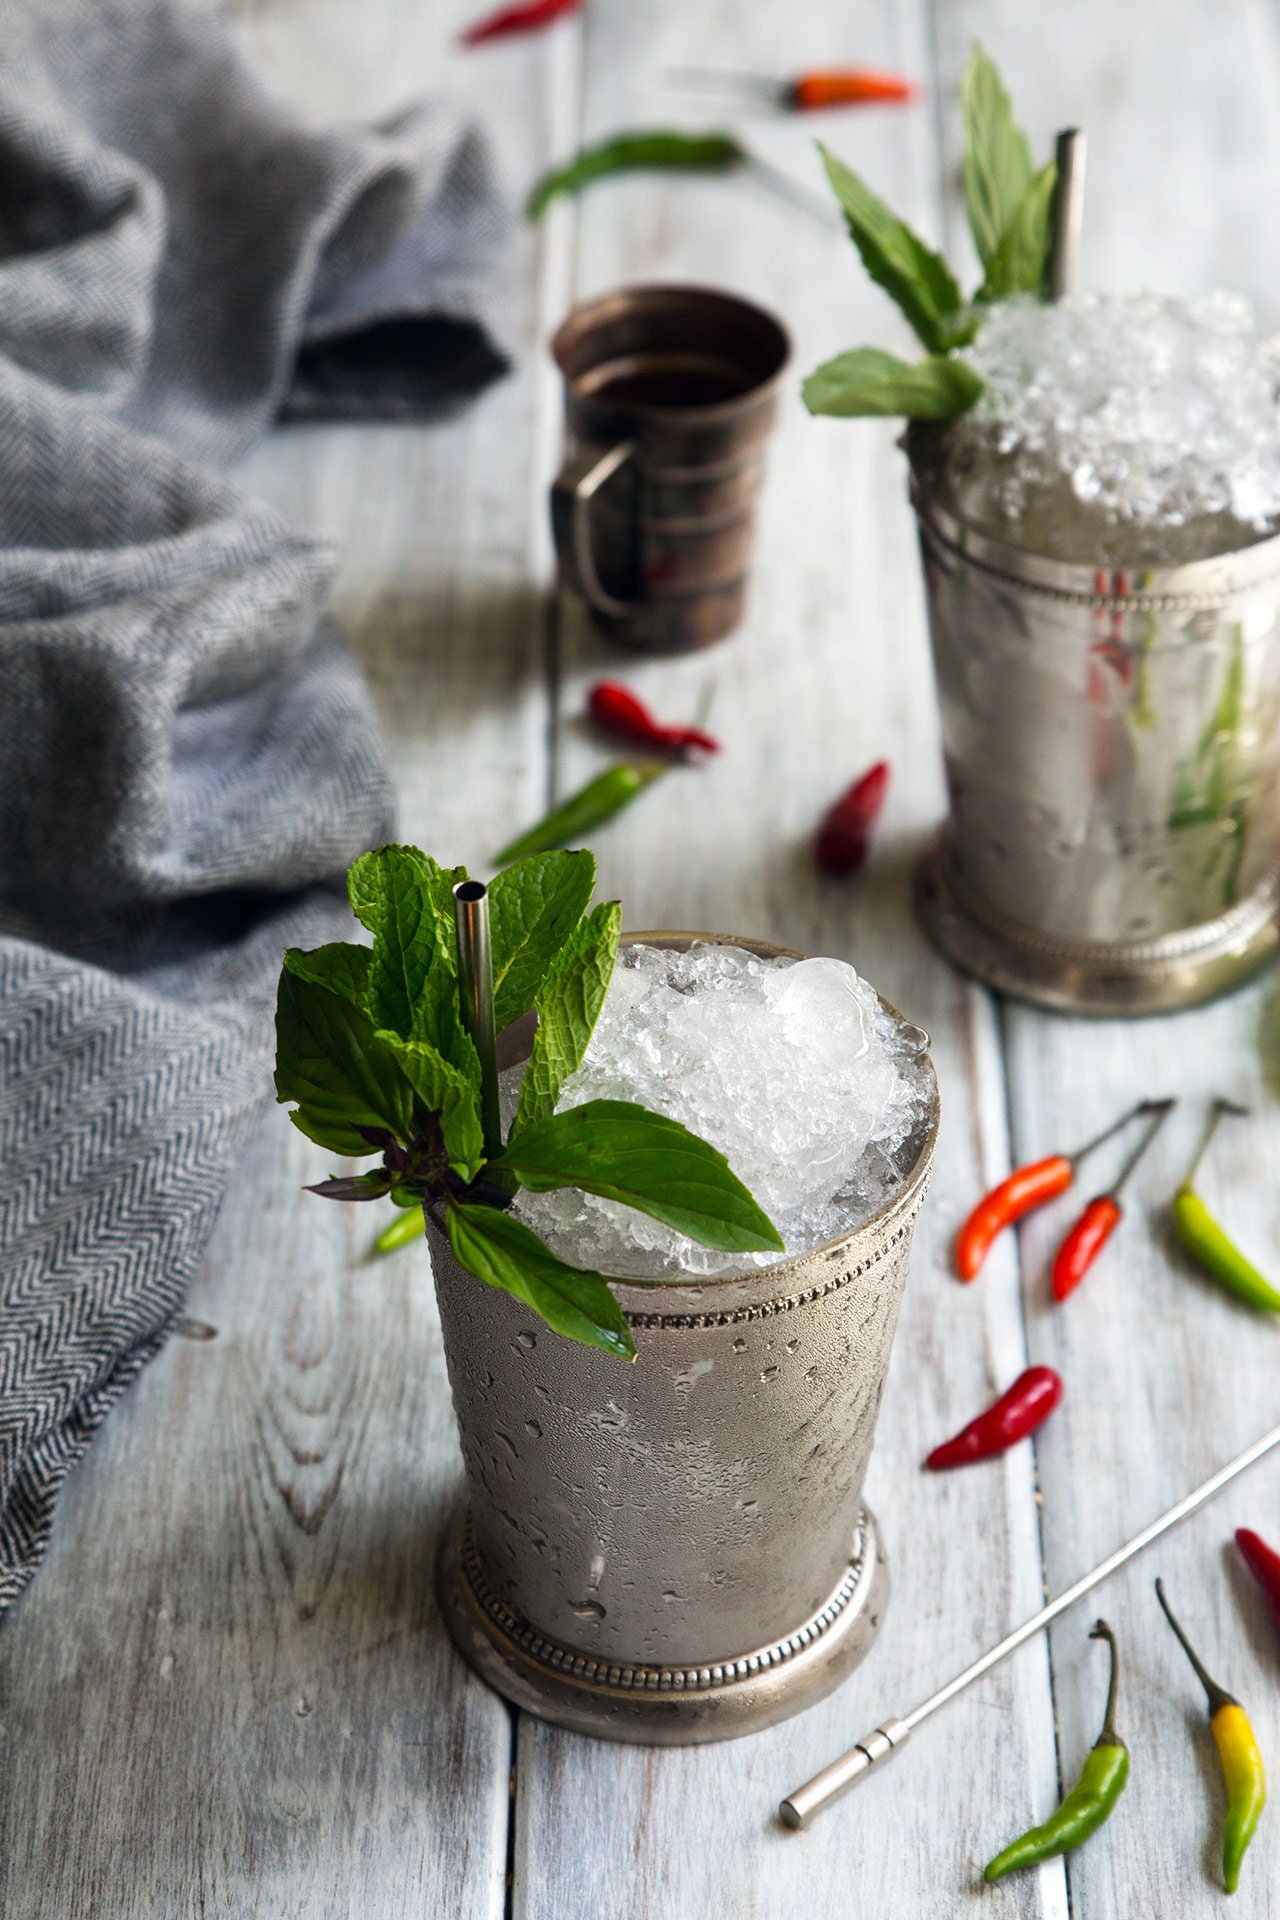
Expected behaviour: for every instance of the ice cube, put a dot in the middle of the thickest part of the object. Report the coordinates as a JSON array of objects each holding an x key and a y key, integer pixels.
[
  {"x": 791, "y": 1068},
  {"x": 1121, "y": 429}
]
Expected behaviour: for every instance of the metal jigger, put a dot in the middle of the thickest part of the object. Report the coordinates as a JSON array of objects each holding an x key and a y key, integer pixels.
[{"x": 475, "y": 991}]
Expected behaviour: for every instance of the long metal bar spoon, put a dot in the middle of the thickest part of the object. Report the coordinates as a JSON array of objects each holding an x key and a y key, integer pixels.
[{"x": 798, "y": 1809}]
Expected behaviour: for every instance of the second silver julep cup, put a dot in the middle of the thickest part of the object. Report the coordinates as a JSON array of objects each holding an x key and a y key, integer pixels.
[
  {"x": 1112, "y": 743},
  {"x": 677, "y": 1551}
]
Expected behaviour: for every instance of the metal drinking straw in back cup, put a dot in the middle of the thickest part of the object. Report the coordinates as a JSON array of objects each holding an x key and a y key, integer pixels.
[{"x": 1079, "y": 867}]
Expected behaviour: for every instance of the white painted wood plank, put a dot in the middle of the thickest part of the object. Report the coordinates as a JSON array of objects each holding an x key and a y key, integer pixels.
[
  {"x": 829, "y": 673},
  {"x": 229, "y": 1691},
  {"x": 1165, "y": 1377}
]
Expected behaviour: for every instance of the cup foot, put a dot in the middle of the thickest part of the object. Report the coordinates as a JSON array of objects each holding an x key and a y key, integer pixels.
[
  {"x": 1093, "y": 977},
  {"x": 663, "y": 1705}
]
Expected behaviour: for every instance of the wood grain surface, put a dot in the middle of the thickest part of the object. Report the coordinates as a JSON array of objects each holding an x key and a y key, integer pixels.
[{"x": 229, "y": 1692}]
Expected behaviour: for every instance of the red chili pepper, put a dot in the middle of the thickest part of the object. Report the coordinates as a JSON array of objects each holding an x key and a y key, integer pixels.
[
  {"x": 1101, "y": 1217},
  {"x": 1022, "y": 1190},
  {"x": 522, "y": 18},
  {"x": 1021, "y": 1411},
  {"x": 844, "y": 838},
  {"x": 619, "y": 711},
  {"x": 1263, "y": 1563},
  {"x": 1084, "y": 1243}
]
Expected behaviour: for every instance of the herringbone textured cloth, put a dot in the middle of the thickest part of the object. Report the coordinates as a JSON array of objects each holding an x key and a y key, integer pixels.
[{"x": 188, "y": 760}]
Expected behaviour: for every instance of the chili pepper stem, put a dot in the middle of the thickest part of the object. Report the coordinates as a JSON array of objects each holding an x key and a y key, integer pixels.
[
  {"x": 792, "y": 192},
  {"x": 1109, "y": 1133},
  {"x": 1159, "y": 1111},
  {"x": 1221, "y": 1107},
  {"x": 1109, "y": 1737},
  {"x": 1217, "y": 1696}
]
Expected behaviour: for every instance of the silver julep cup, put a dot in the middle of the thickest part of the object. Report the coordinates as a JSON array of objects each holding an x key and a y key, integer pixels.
[
  {"x": 677, "y": 1551},
  {"x": 1112, "y": 741}
]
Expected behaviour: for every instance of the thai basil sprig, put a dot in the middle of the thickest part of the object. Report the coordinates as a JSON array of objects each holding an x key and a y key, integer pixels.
[
  {"x": 373, "y": 1057},
  {"x": 1009, "y": 203}
]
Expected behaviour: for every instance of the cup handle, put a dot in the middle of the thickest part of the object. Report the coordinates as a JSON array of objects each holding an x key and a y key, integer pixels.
[{"x": 572, "y": 491}]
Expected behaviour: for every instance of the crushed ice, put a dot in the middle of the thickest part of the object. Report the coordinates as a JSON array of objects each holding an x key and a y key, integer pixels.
[
  {"x": 791, "y": 1068},
  {"x": 1124, "y": 428}
]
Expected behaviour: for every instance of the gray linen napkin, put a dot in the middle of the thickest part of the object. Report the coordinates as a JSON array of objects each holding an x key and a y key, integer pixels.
[{"x": 188, "y": 760}]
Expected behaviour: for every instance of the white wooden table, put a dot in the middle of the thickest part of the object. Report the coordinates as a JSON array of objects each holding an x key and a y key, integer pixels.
[{"x": 229, "y": 1692}]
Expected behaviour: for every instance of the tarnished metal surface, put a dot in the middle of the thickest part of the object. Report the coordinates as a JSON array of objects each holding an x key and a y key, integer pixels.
[
  {"x": 654, "y": 509},
  {"x": 685, "y": 1513},
  {"x": 1112, "y": 742}
]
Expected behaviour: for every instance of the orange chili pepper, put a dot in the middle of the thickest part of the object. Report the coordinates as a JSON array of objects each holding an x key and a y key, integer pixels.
[
  {"x": 811, "y": 91},
  {"x": 1020, "y": 1192},
  {"x": 849, "y": 87}
]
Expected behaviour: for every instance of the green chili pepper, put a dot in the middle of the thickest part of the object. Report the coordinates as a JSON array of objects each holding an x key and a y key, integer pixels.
[
  {"x": 1089, "y": 1803},
  {"x": 1206, "y": 1241},
  {"x": 1238, "y": 1755},
  {"x": 591, "y": 806},
  {"x": 402, "y": 1231},
  {"x": 634, "y": 152}
]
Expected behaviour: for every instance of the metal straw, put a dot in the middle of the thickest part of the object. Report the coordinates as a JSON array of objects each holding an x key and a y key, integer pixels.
[
  {"x": 798, "y": 1809},
  {"x": 475, "y": 990},
  {"x": 1068, "y": 212}
]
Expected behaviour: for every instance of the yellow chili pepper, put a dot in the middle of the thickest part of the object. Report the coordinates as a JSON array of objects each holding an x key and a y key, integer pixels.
[
  {"x": 1246, "y": 1784},
  {"x": 1238, "y": 1756}
]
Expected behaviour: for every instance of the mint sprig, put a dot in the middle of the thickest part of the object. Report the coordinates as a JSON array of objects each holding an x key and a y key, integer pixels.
[
  {"x": 866, "y": 381},
  {"x": 998, "y": 170},
  {"x": 373, "y": 1058},
  {"x": 911, "y": 273},
  {"x": 1009, "y": 206}
]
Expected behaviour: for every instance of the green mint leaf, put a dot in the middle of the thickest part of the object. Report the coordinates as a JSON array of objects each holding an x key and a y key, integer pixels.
[
  {"x": 356, "y": 1186},
  {"x": 568, "y": 1006},
  {"x": 331, "y": 1134},
  {"x": 438, "y": 1020},
  {"x": 998, "y": 173},
  {"x": 340, "y": 1073},
  {"x": 341, "y": 967},
  {"x": 868, "y": 381},
  {"x": 623, "y": 1152},
  {"x": 504, "y": 1253},
  {"x": 406, "y": 902},
  {"x": 912, "y": 274},
  {"x": 445, "y": 1091},
  {"x": 1020, "y": 262},
  {"x": 534, "y": 907}
]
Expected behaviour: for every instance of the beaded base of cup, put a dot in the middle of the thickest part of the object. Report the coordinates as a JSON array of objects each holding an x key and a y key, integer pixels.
[
  {"x": 1100, "y": 978},
  {"x": 1112, "y": 742},
  {"x": 661, "y": 1703}
]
